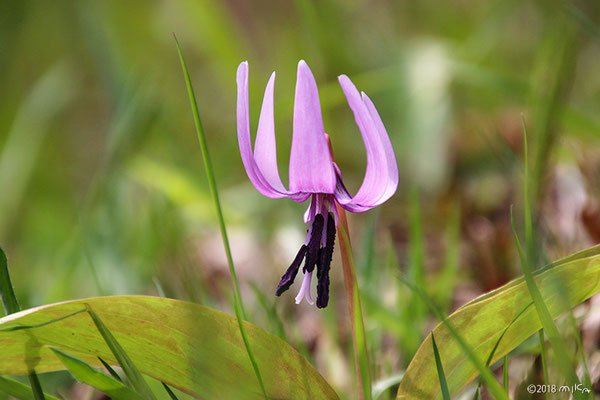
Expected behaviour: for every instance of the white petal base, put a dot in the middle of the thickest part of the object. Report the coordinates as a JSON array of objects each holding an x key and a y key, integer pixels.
[{"x": 304, "y": 292}]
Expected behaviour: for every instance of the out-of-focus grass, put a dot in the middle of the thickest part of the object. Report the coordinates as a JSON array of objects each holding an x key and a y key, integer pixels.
[{"x": 100, "y": 189}]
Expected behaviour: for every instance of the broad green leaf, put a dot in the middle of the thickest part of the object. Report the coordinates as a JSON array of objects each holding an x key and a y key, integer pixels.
[
  {"x": 83, "y": 372},
  {"x": 193, "y": 348},
  {"x": 19, "y": 390},
  {"x": 482, "y": 321}
]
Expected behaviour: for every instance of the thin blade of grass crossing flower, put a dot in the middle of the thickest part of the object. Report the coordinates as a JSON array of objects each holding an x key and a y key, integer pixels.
[
  {"x": 11, "y": 305},
  {"x": 19, "y": 390},
  {"x": 237, "y": 297},
  {"x": 361, "y": 355},
  {"x": 84, "y": 373},
  {"x": 133, "y": 374},
  {"x": 440, "y": 369},
  {"x": 493, "y": 385},
  {"x": 564, "y": 361},
  {"x": 169, "y": 391}
]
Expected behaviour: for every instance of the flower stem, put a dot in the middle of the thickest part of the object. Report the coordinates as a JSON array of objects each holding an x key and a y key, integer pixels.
[{"x": 359, "y": 340}]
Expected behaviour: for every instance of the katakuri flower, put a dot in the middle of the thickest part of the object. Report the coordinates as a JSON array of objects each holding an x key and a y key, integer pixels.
[{"x": 312, "y": 171}]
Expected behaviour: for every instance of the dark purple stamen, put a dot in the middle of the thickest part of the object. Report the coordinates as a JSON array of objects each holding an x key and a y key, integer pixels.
[
  {"x": 324, "y": 263},
  {"x": 288, "y": 278},
  {"x": 312, "y": 255}
]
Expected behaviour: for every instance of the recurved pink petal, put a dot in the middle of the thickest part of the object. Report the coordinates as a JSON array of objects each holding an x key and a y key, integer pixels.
[
  {"x": 381, "y": 177},
  {"x": 311, "y": 167},
  {"x": 256, "y": 175},
  {"x": 265, "y": 148}
]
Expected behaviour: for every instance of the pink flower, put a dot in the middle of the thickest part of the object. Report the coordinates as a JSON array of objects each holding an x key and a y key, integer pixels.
[{"x": 312, "y": 170}]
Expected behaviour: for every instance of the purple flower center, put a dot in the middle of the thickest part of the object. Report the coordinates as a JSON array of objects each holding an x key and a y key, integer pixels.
[{"x": 317, "y": 252}]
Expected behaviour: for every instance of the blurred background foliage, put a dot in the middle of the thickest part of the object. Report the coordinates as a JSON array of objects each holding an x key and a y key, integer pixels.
[{"x": 101, "y": 183}]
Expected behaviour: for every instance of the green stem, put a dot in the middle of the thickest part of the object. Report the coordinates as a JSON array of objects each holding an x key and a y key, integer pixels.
[{"x": 237, "y": 297}]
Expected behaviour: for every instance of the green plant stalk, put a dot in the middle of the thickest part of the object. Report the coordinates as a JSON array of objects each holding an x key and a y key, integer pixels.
[
  {"x": 237, "y": 297},
  {"x": 440, "y": 369},
  {"x": 492, "y": 385},
  {"x": 361, "y": 355}
]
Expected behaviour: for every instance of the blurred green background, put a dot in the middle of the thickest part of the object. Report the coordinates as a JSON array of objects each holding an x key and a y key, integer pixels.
[{"x": 102, "y": 188}]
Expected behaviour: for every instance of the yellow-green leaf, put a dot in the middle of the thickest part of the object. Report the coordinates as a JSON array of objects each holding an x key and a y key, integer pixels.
[
  {"x": 482, "y": 322},
  {"x": 194, "y": 348}
]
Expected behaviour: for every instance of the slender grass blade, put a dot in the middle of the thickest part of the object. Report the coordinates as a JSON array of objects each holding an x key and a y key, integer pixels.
[
  {"x": 169, "y": 391},
  {"x": 440, "y": 369},
  {"x": 237, "y": 296},
  {"x": 110, "y": 370},
  {"x": 133, "y": 374},
  {"x": 11, "y": 305}
]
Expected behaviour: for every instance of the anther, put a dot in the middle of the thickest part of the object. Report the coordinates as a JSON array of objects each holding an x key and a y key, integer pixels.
[
  {"x": 312, "y": 254},
  {"x": 324, "y": 263},
  {"x": 288, "y": 278}
]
